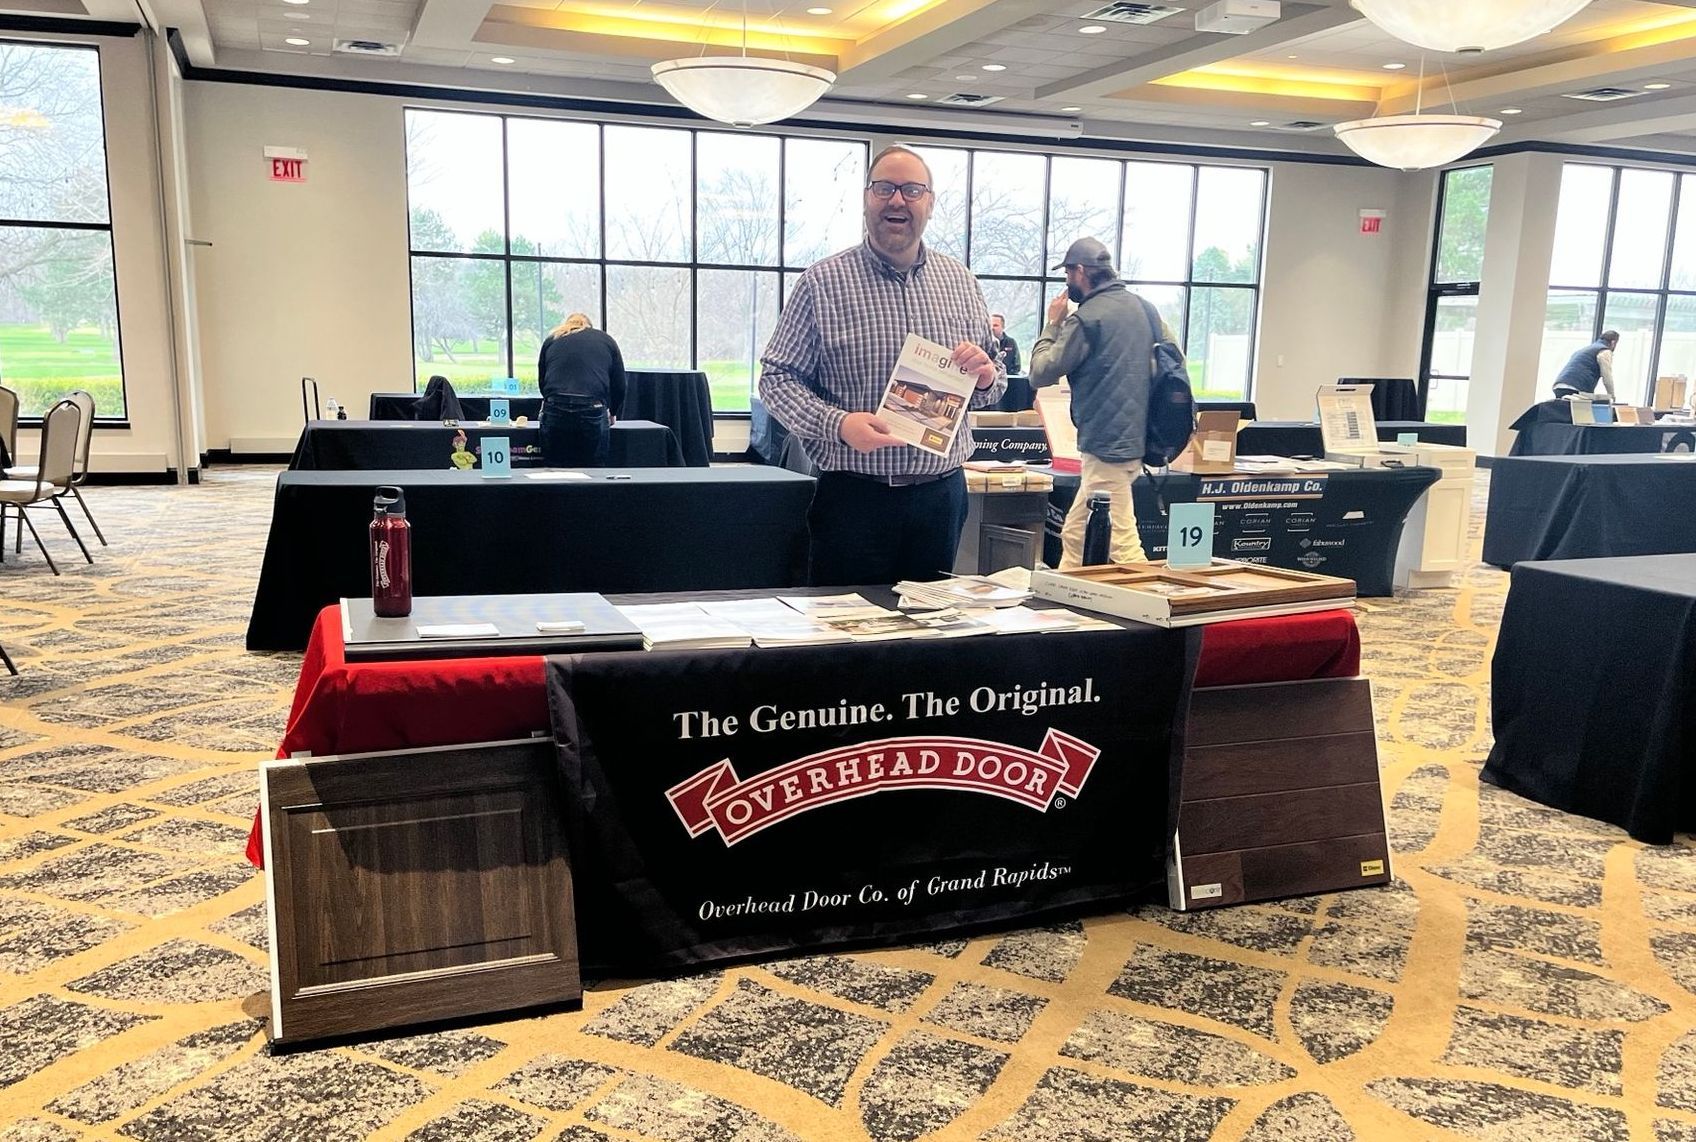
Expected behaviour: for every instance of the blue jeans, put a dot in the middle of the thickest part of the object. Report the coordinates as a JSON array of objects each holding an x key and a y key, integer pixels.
[{"x": 576, "y": 432}]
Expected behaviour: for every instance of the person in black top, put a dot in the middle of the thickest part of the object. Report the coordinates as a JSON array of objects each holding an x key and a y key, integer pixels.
[
  {"x": 1009, "y": 347},
  {"x": 582, "y": 378}
]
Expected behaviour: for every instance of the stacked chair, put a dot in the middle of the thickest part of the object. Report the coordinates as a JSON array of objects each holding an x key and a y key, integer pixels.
[{"x": 49, "y": 481}]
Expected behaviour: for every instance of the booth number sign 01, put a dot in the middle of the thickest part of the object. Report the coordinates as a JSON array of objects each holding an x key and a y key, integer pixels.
[{"x": 286, "y": 164}]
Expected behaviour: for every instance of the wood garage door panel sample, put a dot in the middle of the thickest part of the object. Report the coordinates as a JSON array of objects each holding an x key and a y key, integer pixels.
[
  {"x": 1280, "y": 818},
  {"x": 1226, "y": 714},
  {"x": 1240, "y": 768}
]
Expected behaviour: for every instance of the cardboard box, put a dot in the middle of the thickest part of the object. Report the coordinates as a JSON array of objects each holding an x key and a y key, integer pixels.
[
  {"x": 1212, "y": 451},
  {"x": 1054, "y": 407},
  {"x": 1671, "y": 392}
]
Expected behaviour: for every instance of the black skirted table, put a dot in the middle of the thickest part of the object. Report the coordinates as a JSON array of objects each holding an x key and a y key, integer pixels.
[
  {"x": 1299, "y": 438},
  {"x": 681, "y": 400},
  {"x": 1593, "y": 691},
  {"x": 354, "y": 445},
  {"x": 1393, "y": 398},
  {"x": 1546, "y": 429},
  {"x": 1584, "y": 507},
  {"x": 655, "y": 529},
  {"x": 1347, "y": 524}
]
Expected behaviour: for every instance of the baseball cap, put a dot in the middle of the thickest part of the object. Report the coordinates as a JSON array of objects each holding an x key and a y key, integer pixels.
[{"x": 1087, "y": 252}]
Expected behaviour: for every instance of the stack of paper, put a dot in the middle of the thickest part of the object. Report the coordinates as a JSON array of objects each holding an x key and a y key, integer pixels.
[
  {"x": 771, "y": 623},
  {"x": 825, "y": 607},
  {"x": 683, "y": 626},
  {"x": 964, "y": 591},
  {"x": 1024, "y": 620}
]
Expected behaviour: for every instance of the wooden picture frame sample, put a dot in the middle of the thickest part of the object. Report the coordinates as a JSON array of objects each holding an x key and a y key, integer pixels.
[
  {"x": 414, "y": 886},
  {"x": 1225, "y": 586}
]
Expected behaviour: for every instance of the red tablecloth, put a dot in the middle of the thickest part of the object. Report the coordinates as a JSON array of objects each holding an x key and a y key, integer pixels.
[{"x": 365, "y": 707}]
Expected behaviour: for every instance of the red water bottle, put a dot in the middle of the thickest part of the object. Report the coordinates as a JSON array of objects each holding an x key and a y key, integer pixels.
[{"x": 391, "y": 555}]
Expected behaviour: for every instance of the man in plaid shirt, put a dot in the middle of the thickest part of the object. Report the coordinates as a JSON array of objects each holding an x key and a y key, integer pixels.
[{"x": 884, "y": 510}]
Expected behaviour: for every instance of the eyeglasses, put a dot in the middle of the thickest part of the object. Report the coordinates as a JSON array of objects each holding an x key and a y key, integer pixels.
[{"x": 884, "y": 189}]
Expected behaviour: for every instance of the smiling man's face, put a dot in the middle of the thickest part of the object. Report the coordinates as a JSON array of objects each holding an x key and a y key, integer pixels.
[{"x": 895, "y": 225}]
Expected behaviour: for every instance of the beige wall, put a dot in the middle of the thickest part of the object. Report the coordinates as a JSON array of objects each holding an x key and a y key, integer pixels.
[
  {"x": 306, "y": 279},
  {"x": 1336, "y": 302},
  {"x": 149, "y": 444}
]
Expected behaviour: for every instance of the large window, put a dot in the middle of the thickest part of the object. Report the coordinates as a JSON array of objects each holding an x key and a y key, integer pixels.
[
  {"x": 1451, "y": 315},
  {"x": 58, "y": 295},
  {"x": 674, "y": 241},
  {"x": 1624, "y": 259},
  {"x": 1187, "y": 238}
]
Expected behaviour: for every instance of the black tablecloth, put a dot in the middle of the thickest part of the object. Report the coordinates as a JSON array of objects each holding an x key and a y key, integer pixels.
[
  {"x": 1243, "y": 408},
  {"x": 1336, "y": 523},
  {"x": 1593, "y": 691},
  {"x": 663, "y": 529},
  {"x": 1584, "y": 507},
  {"x": 399, "y": 406},
  {"x": 1546, "y": 429},
  {"x": 1296, "y": 438},
  {"x": 1393, "y": 398},
  {"x": 684, "y": 833},
  {"x": 353, "y": 445},
  {"x": 1019, "y": 396},
  {"x": 682, "y": 402}
]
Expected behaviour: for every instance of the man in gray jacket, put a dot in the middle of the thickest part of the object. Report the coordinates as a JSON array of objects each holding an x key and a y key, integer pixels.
[{"x": 1106, "y": 349}]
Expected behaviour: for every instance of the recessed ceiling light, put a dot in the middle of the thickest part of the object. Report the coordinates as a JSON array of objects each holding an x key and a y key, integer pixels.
[
  {"x": 1512, "y": 111},
  {"x": 297, "y": 42},
  {"x": 296, "y": 1},
  {"x": 1394, "y": 66},
  {"x": 502, "y": 59},
  {"x": 917, "y": 95},
  {"x": 1292, "y": 55},
  {"x": 1261, "y": 123},
  {"x": 1092, "y": 29},
  {"x": 1071, "y": 108},
  {"x": 1656, "y": 86},
  {"x": 995, "y": 67},
  {"x": 818, "y": 11}
]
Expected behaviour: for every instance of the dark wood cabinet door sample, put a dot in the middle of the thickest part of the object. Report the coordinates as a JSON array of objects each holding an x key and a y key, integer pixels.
[
  {"x": 414, "y": 886},
  {"x": 1279, "y": 794}
]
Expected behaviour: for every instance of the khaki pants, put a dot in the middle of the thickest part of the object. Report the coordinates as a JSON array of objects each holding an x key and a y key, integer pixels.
[{"x": 1115, "y": 478}]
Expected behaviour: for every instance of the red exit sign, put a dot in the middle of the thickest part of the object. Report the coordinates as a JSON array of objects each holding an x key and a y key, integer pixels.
[
  {"x": 288, "y": 170},
  {"x": 1371, "y": 221}
]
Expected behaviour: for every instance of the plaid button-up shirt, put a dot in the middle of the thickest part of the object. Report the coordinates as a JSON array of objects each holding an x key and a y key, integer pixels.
[{"x": 837, "y": 342}]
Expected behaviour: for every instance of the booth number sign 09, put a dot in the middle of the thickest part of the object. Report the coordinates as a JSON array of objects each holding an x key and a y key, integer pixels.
[{"x": 286, "y": 164}]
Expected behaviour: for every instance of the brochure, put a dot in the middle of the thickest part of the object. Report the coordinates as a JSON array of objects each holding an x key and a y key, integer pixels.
[
  {"x": 925, "y": 402},
  {"x": 771, "y": 623},
  {"x": 683, "y": 626},
  {"x": 823, "y": 607}
]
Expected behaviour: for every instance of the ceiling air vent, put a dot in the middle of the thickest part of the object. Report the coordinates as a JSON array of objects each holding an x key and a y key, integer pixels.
[
  {"x": 970, "y": 99},
  {"x": 367, "y": 48},
  {"x": 1300, "y": 125},
  {"x": 1122, "y": 12},
  {"x": 1601, "y": 94}
]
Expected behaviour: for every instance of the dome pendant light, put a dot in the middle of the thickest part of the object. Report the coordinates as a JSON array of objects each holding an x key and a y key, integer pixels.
[
  {"x": 1467, "y": 25},
  {"x": 740, "y": 90},
  {"x": 1419, "y": 141}
]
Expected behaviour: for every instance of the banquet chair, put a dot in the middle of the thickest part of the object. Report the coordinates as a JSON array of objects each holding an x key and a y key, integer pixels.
[
  {"x": 52, "y": 478},
  {"x": 8, "y": 426},
  {"x": 84, "y": 401}
]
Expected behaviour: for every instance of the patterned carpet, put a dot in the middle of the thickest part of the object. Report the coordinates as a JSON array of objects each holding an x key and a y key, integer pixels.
[{"x": 1532, "y": 976}]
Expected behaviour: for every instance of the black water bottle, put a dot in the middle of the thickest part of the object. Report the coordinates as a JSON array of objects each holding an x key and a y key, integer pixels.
[{"x": 1098, "y": 535}]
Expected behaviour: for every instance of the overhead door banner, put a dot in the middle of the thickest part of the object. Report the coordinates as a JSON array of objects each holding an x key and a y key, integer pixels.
[{"x": 728, "y": 804}]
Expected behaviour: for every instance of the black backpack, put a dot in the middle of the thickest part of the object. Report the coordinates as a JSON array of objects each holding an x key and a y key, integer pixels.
[{"x": 1171, "y": 403}]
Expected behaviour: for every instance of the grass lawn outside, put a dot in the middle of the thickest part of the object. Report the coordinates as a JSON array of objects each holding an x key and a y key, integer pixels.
[{"x": 41, "y": 370}]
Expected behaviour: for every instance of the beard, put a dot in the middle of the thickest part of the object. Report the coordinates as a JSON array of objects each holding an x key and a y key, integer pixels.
[{"x": 1075, "y": 293}]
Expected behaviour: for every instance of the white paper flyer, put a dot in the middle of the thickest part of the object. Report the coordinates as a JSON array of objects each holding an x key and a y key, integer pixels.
[{"x": 925, "y": 402}]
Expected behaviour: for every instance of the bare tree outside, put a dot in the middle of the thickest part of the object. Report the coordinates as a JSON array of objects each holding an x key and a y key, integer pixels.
[{"x": 58, "y": 295}]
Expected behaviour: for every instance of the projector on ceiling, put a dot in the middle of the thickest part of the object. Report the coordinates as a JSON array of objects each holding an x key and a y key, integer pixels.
[{"x": 1236, "y": 17}]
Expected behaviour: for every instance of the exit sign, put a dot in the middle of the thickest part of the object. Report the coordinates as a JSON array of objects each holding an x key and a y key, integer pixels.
[
  {"x": 1372, "y": 221},
  {"x": 288, "y": 170}
]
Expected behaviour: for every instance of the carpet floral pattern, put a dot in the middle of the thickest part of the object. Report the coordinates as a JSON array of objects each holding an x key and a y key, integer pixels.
[{"x": 1530, "y": 976}]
